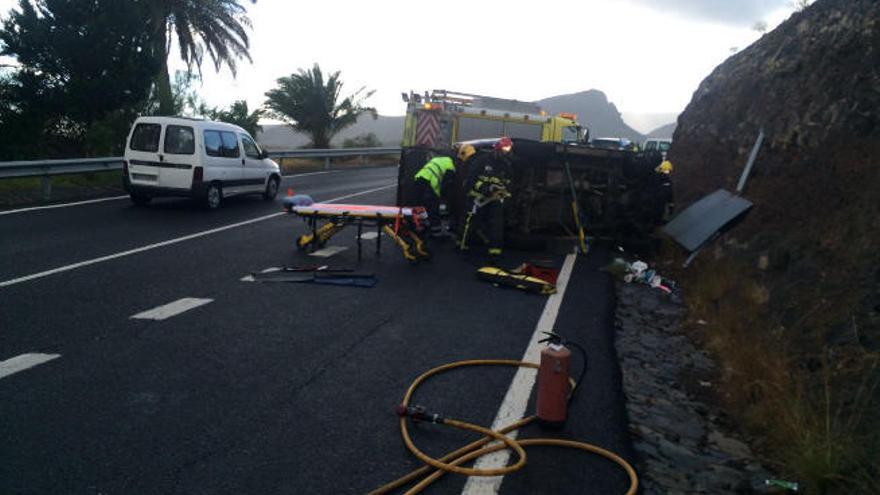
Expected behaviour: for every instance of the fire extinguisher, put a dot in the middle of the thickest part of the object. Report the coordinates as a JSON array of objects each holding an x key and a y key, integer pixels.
[{"x": 554, "y": 386}]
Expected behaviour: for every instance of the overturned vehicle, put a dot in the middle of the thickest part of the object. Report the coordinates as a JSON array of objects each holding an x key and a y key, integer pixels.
[{"x": 556, "y": 187}]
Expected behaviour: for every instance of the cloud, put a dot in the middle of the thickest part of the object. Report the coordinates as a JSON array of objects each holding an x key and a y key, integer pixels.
[{"x": 734, "y": 12}]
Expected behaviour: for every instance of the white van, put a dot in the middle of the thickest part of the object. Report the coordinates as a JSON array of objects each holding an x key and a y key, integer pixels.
[
  {"x": 201, "y": 159},
  {"x": 658, "y": 144}
]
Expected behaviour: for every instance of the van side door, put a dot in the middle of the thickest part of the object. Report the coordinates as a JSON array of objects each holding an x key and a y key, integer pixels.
[{"x": 223, "y": 161}]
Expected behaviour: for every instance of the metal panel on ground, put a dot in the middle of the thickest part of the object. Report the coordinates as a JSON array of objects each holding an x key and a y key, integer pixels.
[{"x": 701, "y": 220}]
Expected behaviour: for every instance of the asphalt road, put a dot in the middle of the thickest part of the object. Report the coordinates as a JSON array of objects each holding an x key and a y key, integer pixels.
[{"x": 267, "y": 388}]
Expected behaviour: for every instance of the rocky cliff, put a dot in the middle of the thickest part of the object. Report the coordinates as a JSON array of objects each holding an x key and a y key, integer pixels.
[
  {"x": 792, "y": 293},
  {"x": 813, "y": 84}
]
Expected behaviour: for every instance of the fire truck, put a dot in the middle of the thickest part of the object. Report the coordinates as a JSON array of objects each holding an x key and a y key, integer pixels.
[{"x": 441, "y": 118}]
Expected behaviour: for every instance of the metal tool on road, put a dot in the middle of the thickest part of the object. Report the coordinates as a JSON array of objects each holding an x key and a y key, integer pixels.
[
  {"x": 401, "y": 224},
  {"x": 453, "y": 462},
  {"x": 522, "y": 281}
]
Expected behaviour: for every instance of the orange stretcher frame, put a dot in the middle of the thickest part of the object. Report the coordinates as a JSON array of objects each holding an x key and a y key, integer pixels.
[{"x": 401, "y": 224}]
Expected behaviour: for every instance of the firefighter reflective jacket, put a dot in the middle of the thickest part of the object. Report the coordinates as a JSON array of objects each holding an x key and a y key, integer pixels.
[{"x": 434, "y": 171}]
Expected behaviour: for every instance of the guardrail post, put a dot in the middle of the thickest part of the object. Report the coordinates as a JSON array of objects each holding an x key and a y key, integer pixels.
[
  {"x": 364, "y": 159},
  {"x": 326, "y": 162},
  {"x": 47, "y": 187}
]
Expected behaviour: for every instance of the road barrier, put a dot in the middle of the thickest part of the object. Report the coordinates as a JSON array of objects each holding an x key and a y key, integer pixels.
[{"x": 46, "y": 169}]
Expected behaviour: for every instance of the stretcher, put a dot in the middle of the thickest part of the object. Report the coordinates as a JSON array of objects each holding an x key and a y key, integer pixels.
[{"x": 400, "y": 224}]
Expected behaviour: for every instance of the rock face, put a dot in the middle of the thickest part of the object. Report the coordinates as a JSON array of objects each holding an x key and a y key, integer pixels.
[{"x": 813, "y": 84}]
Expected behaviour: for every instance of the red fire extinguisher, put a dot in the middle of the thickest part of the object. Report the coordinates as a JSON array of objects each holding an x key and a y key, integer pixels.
[{"x": 554, "y": 387}]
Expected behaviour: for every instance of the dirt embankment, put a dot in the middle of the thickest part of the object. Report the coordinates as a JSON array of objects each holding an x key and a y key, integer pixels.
[{"x": 792, "y": 294}]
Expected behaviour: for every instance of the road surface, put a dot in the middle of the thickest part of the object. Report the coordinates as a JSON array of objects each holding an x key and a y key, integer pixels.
[{"x": 135, "y": 359}]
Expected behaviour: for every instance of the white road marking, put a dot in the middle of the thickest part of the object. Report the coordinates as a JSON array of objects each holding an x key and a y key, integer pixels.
[
  {"x": 367, "y": 236},
  {"x": 23, "y": 362},
  {"x": 513, "y": 407},
  {"x": 248, "y": 278},
  {"x": 169, "y": 242},
  {"x": 63, "y": 205},
  {"x": 171, "y": 309},
  {"x": 329, "y": 251},
  {"x": 306, "y": 174}
]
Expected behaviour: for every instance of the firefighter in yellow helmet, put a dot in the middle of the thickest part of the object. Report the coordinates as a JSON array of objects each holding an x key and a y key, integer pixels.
[{"x": 664, "y": 168}]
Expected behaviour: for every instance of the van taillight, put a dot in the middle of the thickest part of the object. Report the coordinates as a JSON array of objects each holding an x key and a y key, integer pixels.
[{"x": 198, "y": 175}]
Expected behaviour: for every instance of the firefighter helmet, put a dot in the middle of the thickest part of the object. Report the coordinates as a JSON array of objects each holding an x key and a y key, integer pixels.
[
  {"x": 466, "y": 151},
  {"x": 504, "y": 145}
]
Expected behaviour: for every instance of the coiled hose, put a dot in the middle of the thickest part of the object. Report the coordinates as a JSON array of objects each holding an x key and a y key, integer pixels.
[{"x": 451, "y": 462}]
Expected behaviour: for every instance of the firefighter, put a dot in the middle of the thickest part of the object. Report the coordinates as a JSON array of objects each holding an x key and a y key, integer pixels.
[
  {"x": 432, "y": 182},
  {"x": 487, "y": 187}
]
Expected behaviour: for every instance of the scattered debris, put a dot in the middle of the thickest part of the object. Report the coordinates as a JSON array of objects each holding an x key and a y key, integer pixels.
[
  {"x": 788, "y": 485},
  {"x": 640, "y": 272}
]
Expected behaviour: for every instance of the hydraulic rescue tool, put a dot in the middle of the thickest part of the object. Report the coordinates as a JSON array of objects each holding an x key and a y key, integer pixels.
[{"x": 555, "y": 389}]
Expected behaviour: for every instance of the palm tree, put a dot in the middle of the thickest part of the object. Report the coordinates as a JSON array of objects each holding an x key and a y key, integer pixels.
[
  {"x": 216, "y": 26},
  {"x": 238, "y": 114},
  {"x": 310, "y": 105}
]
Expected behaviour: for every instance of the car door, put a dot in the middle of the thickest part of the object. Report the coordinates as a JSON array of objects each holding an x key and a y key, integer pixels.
[
  {"x": 178, "y": 157},
  {"x": 255, "y": 171},
  {"x": 223, "y": 160}
]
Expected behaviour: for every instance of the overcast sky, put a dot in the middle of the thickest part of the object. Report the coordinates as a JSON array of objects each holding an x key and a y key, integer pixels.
[{"x": 647, "y": 55}]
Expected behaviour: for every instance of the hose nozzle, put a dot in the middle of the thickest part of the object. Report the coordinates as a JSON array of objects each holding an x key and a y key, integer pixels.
[{"x": 418, "y": 413}]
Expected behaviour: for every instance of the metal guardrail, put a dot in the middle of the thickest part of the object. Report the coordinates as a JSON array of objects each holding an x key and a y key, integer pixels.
[{"x": 46, "y": 169}]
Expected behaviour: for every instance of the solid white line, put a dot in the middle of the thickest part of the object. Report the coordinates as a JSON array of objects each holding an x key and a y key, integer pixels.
[
  {"x": 171, "y": 309},
  {"x": 306, "y": 174},
  {"x": 169, "y": 242},
  {"x": 23, "y": 362},
  {"x": 513, "y": 407},
  {"x": 63, "y": 205},
  {"x": 329, "y": 251}
]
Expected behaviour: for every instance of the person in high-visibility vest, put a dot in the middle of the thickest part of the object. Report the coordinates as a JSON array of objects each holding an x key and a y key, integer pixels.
[{"x": 432, "y": 182}]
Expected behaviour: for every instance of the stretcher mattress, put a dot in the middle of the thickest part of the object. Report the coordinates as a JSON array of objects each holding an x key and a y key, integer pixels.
[{"x": 364, "y": 211}]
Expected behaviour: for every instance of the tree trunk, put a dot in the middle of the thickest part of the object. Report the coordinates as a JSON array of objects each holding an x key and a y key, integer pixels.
[{"x": 163, "y": 79}]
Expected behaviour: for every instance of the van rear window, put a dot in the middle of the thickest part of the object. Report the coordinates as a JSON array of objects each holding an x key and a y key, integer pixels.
[
  {"x": 179, "y": 140},
  {"x": 145, "y": 137}
]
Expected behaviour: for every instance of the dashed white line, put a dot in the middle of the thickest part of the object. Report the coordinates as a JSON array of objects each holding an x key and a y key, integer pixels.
[
  {"x": 171, "y": 309},
  {"x": 513, "y": 407},
  {"x": 328, "y": 251},
  {"x": 169, "y": 242},
  {"x": 23, "y": 362},
  {"x": 367, "y": 236},
  {"x": 63, "y": 205}
]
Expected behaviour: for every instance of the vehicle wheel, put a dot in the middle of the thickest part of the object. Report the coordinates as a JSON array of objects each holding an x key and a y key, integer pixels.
[
  {"x": 271, "y": 189},
  {"x": 213, "y": 196},
  {"x": 140, "y": 199}
]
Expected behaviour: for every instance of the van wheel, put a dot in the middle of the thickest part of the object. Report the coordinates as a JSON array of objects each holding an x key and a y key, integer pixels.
[
  {"x": 271, "y": 189},
  {"x": 140, "y": 199},
  {"x": 213, "y": 196}
]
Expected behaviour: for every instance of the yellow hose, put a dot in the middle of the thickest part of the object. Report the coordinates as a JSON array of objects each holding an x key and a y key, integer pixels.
[{"x": 451, "y": 461}]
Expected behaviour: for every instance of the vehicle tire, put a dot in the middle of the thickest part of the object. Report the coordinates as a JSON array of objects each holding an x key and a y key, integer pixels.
[
  {"x": 213, "y": 196},
  {"x": 140, "y": 199},
  {"x": 271, "y": 189}
]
